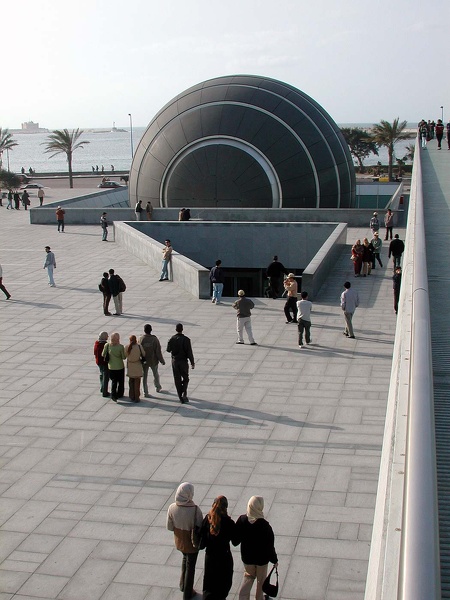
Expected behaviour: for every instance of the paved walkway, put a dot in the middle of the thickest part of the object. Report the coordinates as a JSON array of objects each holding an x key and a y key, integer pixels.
[{"x": 85, "y": 483}]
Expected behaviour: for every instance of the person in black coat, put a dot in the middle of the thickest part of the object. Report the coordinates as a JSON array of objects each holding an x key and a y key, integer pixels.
[
  {"x": 216, "y": 533},
  {"x": 257, "y": 541},
  {"x": 104, "y": 288},
  {"x": 396, "y": 284},
  {"x": 275, "y": 274}
]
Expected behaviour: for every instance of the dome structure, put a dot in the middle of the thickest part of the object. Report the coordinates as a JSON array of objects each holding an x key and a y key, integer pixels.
[{"x": 243, "y": 141}]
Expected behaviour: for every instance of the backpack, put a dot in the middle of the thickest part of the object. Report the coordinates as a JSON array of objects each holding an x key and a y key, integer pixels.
[{"x": 122, "y": 286}]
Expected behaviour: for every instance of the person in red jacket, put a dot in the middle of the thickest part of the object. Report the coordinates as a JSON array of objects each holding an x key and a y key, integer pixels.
[{"x": 439, "y": 132}]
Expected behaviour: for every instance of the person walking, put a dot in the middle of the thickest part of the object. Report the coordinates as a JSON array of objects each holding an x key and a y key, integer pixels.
[
  {"x": 182, "y": 517},
  {"x": 374, "y": 223},
  {"x": 217, "y": 277},
  {"x": 41, "y": 195},
  {"x": 439, "y": 133},
  {"x": 153, "y": 356},
  {"x": 149, "y": 210},
  {"x": 448, "y": 137},
  {"x": 101, "y": 362},
  {"x": 304, "y": 307},
  {"x": 103, "y": 286},
  {"x": 10, "y": 199},
  {"x": 275, "y": 272},
  {"x": 104, "y": 226},
  {"x": 16, "y": 200},
  {"x": 396, "y": 285},
  {"x": 25, "y": 199},
  {"x": 135, "y": 354},
  {"x": 349, "y": 303},
  {"x": 180, "y": 348},
  {"x": 50, "y": 264},
  {"x": 166, "y": 258},
  {"x": 367, "y": 257},
  {"x": 255, "y": 535},
  {"x": 377, "y": 244},
  {"x": 114, "y": 353},
  {"x": 60, "y": 218},
  {"x": 389, "y": 224},
  {"x": 116, "y": 287},
  {"x": 357, "y": 257},
  {"x": 396, "y": 249},
  {"x": 2, "y": 287},
  {"x": 423, "y": 133},
  {"x": 138, "y": 210},
  {"x": 291, "y": 287},
  {"x": 216, "y": 533},
  {"x": 244, "y": 306}
]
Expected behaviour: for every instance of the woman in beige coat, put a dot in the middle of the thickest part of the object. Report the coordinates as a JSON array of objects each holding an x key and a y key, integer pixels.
[{"x": 135, "y": 371}]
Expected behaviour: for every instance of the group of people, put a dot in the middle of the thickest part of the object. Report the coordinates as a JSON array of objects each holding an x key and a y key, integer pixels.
[
  {"x": 214, "y": 533},
  {"x": 141, "y": 356},
  {"x": 102, "y": 170},
  {"x": 430, "y": 130},
  {"x": 24, "y": 199},
  {"x": 112, "y": 286},
  {"x": 138, "y": 210}
]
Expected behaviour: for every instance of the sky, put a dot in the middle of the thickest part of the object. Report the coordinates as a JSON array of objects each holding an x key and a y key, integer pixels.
[{"x": 89, "y": 63}]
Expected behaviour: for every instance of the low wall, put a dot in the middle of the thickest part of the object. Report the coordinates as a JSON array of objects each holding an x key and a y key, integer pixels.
[
  {"x": 145, "y": 241},
  {"x": 188, "y": 274},
  {"x": 86, "y": 209},
  {"x": 323, "y": 262},
  {"x": 250, "y": 245}
]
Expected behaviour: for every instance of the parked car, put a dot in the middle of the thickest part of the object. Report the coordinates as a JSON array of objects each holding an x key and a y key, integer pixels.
[
  {"x": 31, "y": 186},
  {"x": 109, "y": 184}
]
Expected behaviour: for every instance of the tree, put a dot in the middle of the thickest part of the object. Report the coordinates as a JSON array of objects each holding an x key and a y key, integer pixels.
[
  {"x": 387, "y": 134},
  {"x": 6, "y": 142},
  {"x": 63, "y": 141},
  {"x": 410, "y": 148},
  {"x": 9, "y": 180},
  {"x": 360, "y": 143}
]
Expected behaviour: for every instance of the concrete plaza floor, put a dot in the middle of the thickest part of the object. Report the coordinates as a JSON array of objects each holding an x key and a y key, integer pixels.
[{"x": 85, "y": 483}]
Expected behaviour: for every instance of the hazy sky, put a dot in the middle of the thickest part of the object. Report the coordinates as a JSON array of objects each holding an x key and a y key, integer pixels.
[{"x": 87, "y": 63}]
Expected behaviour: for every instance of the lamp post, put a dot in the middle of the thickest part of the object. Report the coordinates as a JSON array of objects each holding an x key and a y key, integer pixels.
[
  {"x": 131, "y": 135},
  {"x": 442, "y": 113}
]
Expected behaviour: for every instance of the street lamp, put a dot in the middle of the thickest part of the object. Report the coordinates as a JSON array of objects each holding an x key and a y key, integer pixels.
[
  {"x": 442, "y": 113},
  {"x": 131, "y": 135}
]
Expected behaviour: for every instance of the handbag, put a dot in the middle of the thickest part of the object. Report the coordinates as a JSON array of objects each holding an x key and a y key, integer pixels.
[
  {"x": 106, "y": 357},
  {"x": 195, "y": 532},
  {"x": 269, "y": 588}
]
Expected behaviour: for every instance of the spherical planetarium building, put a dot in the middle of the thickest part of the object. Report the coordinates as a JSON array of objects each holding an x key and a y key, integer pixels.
[{"x": 243, "y": 141}]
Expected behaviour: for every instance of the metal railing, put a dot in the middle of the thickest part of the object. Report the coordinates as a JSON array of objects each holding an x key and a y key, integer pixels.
[{"x": 419, "y": 575}]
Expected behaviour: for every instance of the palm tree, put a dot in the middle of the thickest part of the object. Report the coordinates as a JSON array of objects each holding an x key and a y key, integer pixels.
[
  {"x": 387, "y": 134},
  {"x": 63, "y": 141},
  {"x": 360, "y": 143},
  {"x": 410, "y": 148},
  {"x": 6, "y": 142}
]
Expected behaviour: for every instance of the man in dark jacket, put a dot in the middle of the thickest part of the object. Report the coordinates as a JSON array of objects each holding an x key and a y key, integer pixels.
[
  {"x": 275, "y": 274},
  {"x": 153, "y": 356},
  {"x": 244, "y": 306},
  {"x": 396, "y": 249},
  {"x": 180, "y": 347},
  {"x": 217, "y": 277},
  {"x": 396, "y": 285},
  {"x": 116, "y": 286}
]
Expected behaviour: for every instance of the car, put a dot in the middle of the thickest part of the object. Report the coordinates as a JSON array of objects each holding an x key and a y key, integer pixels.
[
  {"x": 109, "y": 184},
  {"x": 32, "y": 186}
]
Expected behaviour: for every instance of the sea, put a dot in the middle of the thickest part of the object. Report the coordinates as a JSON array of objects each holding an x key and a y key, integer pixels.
[{"x": 113, "y": 147}]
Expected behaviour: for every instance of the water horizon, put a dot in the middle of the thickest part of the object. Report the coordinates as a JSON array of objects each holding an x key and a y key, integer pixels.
[{"x": 109, "y": 147}]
